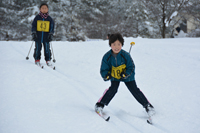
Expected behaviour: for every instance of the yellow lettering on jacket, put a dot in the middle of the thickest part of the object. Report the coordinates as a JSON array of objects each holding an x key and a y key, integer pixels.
[
  {"x": 43, "y": 25},
  {"x": 116, "y": 71}
]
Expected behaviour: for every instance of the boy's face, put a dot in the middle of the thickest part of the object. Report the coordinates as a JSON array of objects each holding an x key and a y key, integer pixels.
[
  {"x": 116, "y": 47},
  {"x": 44, "y": 9}
]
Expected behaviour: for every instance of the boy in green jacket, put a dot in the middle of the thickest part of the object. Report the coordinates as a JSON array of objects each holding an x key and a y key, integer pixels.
[{"x": 117, "y": 65}]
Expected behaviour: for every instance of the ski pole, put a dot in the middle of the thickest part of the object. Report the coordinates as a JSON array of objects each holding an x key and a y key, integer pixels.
[
  {"x": 132, "y": 43},
  {"x": 29, "y": 51},
  {"x": 53, "y": 53}
]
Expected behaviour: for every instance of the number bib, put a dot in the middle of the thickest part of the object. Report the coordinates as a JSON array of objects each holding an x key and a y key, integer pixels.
[
  {"x": 43, "y": 25},
  {"x": 116, "y": 71}
]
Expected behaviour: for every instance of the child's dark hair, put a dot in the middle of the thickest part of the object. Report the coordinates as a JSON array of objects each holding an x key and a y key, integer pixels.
[
  {"x": 44, "y": 4},
  {"x": 115, "y": 37}
]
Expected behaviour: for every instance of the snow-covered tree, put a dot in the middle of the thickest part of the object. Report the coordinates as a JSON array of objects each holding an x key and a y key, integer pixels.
[
  {"x": 162, "y": 12},
  {"x": 78, "y": 19},
  {"x": 136, "y": 20},
  {"x": 14, "y": 19}
]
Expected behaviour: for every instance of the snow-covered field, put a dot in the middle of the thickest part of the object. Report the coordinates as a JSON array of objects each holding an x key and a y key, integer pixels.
[{"x": 35, "y": 100}]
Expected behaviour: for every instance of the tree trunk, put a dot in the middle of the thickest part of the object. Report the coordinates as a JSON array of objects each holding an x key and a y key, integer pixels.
[
  {"x": 163, "y": 29},
  {"x": 163, "y": 22}
]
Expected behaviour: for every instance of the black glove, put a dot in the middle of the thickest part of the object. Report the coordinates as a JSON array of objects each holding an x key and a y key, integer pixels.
[
  {"x": 50, "y": 37},
  {"x": 107, "y": 77},
  {"x": 34, "y": 35},
  {"x": 123, "y": 75}
]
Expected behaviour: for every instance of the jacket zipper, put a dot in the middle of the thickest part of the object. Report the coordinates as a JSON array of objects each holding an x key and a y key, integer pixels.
[
  {"x": 116, "y": 61},
  {"x": 42, "y": 35}
]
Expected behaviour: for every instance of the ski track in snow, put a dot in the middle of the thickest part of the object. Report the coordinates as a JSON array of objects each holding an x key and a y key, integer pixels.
[{"x": 62, "y": 100}]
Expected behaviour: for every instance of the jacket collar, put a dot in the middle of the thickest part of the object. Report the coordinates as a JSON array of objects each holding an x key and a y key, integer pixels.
[{"x": 111, "y": 52}]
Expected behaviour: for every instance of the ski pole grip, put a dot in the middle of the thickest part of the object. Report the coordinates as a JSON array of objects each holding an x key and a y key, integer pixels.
[{"x": 132, "y": 43}]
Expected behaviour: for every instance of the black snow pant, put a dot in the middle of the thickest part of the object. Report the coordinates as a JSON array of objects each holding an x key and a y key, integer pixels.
[
  {"x": 38, "y": 48},
  {"x": 112, "y": 90}
]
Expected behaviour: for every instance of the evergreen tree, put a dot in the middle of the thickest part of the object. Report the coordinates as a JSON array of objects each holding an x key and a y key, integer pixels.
[
  {"x": 136, "y": 21},
  {"x": 78, "y": 19}
]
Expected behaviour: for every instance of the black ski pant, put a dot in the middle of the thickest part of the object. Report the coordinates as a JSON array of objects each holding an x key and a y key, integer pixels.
[
  {"x": 38, "y": 48},
  {"x": 112, "y": 90}
]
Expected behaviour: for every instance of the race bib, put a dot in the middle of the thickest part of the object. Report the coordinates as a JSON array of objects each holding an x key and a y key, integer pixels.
[
  {"x": 43, "y": 25},
  {"x": 116, "y": 71}
]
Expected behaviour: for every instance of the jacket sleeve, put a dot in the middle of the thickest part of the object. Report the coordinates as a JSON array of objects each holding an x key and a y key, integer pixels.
[
  {"x": 105, "y": 68},
  {"x": 130, "y": 66},
  {"x": 51, "y": 26},
  {"x": 34, "y": 25}
]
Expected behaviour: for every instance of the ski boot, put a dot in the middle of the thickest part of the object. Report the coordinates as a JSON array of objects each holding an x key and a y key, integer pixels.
[
  {"x": 150, "y": 110},
  {"x": 37, "y": 62},
  {"x": 99, "y": 108},
  {"x": 49, "y": 63}
]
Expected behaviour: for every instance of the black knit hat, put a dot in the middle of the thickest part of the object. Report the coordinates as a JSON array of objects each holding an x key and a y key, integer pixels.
[
  {"x": 115, "y": 37},
  {"x": 44, "y": 4}
]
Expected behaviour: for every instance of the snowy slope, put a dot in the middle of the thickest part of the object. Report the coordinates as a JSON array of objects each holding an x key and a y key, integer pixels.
[{"x": 35, "y": 100}]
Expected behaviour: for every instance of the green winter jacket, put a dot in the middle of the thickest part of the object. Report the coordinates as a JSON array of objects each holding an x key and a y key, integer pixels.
[{"x": 115, "y": 65}]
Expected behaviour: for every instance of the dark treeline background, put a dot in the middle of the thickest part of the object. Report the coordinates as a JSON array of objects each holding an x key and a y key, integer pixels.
[{"x": 81, "y": 19}]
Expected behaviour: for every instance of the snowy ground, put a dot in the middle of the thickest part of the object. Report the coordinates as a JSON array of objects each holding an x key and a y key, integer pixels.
[{"x": 35, "y": 100}]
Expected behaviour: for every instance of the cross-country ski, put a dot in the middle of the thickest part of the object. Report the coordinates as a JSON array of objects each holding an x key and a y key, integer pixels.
[
  {"x": 53, "y": 67},
  {"x": 103, "y": 115},
  {"x": 39, "y": 65}
]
